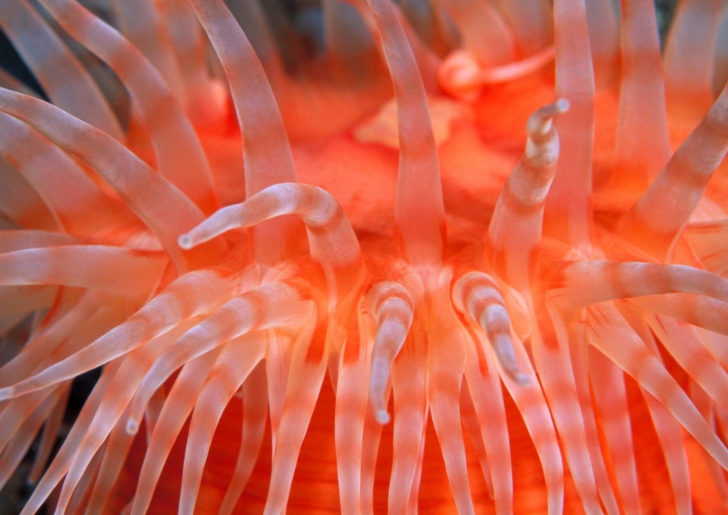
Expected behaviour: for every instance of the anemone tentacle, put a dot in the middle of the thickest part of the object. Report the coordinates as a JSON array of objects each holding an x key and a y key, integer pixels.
[{"x": 344, "y": 284}]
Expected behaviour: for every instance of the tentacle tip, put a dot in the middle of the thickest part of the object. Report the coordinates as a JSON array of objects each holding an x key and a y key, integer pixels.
[
  {"x": 540, "y": 122},
  {"x": 521, "y": 379},
  {"x": 185, "y": 242},
  {"x": 132, "y": 427},
  {"x": 383, "y": 417},
  {"x": 562, "y": 105}
]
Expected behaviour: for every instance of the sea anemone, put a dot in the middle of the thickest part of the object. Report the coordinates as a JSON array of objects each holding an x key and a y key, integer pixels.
[{"x": 328, "y": 324}]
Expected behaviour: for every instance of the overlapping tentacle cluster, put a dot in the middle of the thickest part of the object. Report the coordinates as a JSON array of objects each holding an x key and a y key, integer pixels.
[{"x": 112, "y": 260}]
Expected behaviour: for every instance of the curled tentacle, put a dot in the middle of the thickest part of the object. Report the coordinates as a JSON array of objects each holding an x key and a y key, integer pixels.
[
  {"x": 477, "y": 294},
  {"x": 393, "y": 307},
  {"x": 510, "y": 244}
]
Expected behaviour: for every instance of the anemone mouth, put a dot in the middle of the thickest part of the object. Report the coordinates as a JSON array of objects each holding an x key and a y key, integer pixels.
[{"x": 263, "y": 307}]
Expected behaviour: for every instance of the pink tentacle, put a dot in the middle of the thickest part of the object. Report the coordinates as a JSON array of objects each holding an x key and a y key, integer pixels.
[
  {"x": 419, "y": 210},
  {"x": 185, "y": 298},
  {"x": 63, "y": 78},
  {"x": 255, "y": 409},
  {"x": 393, "y": 307},
  {"x": 236, "y": 361},
  {"x": 178, "y": 406},
  {"x": 446, "y": 358},
  {"x": 514, "y": 231},
  {"x": 266, "y": 152},
  {"x": 112, "y": 269},
  {"x": 605, "y": 329},
  {"x": 160, "y": 205},
  {"x": 410, "y": 408},
  {"x": 180, "y": 157},
  {"x": 608, "y": 386}
]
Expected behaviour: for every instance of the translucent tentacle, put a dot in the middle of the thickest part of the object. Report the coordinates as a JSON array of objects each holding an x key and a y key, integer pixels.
[
  {"x": 178, "y": 406},
  {"x": 697, "y": 310},
  {"x": 462, "y": 76},
  {"x": 187, "y": 297},
  {"x": 266, "y": 151},
  {"x": 624, "y": 348},
  {"x": 62, "y": 76},
  {"x": 351, "y": 52},
  {"x": 589, "y": 282},
  {"x": 553, "y": 363},
  {"x": 349, "y": 418},
  {"x": 686, "y": 346},
  {"x": 20, "y": 204},
  {"x": 471, "y": 424},
  {"x": 108, "y": 414},
  {"x": 19, "y": 239},
  {"x": 427, "y": 60},
  {"x": 485, "y": 34},
  {"x": 16, "y": 411},
  {"x": 604, "y": 32},
  {"x": 670, "y": 436},
  {"x": 410, "y": 406},
  {"x": 661, "y": 213},
  {"x": 332, "y": 240},
  {"x": 236, "y": 361},
  {"x": 308, "y": 366},
  {"x": 720, "y": 72},
  {"x": 110, "y": 269},
  {"x": 79, "y": 205},
  {"x": 117, "y": 448},
  {"x": 393, "y": 307},
  {"x": 643, "y": 147},
  {"x": 8, "y": 81},
  {"x": 81, "y": 492},
  {"x": 531, "y": 403},
  {"x": 372, "y": 439},
  {"x": 23, "y": 436},
  {"x": 267, "y": 306},
  {"x": 47, "y": 346},
  {"x": 254, "y": 21},
  {"x": 669, "y": 432},
  {"x": 180, "y": 157},
  {"x": 255, "y": 408},
  {"x": 60, "y": 464},
  {"x": 579, "y": 355},
  {"x": 165, "y": 210},
  {"x": 568, "y": 208},
  {"x": 607, "y": 382},
  {"x": 515, "y": 228},
  {"x": 531, "y": 23},
  {"x": 446, "y": 358},
  {"x": 141, "y": 23},
  {"x": 278, "y": 364},
  {"x": 689, "y": 54},
  {"x": 709, "y": 241},
  {"x": 51, "y": 430},
  {"x": 483, "y": 382},
  {"x": 190, "y": 47},
  {"x": 707, "y": 408},
  {"x": 478, "y": 295},
  {"x": 419, "y": 209}
]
